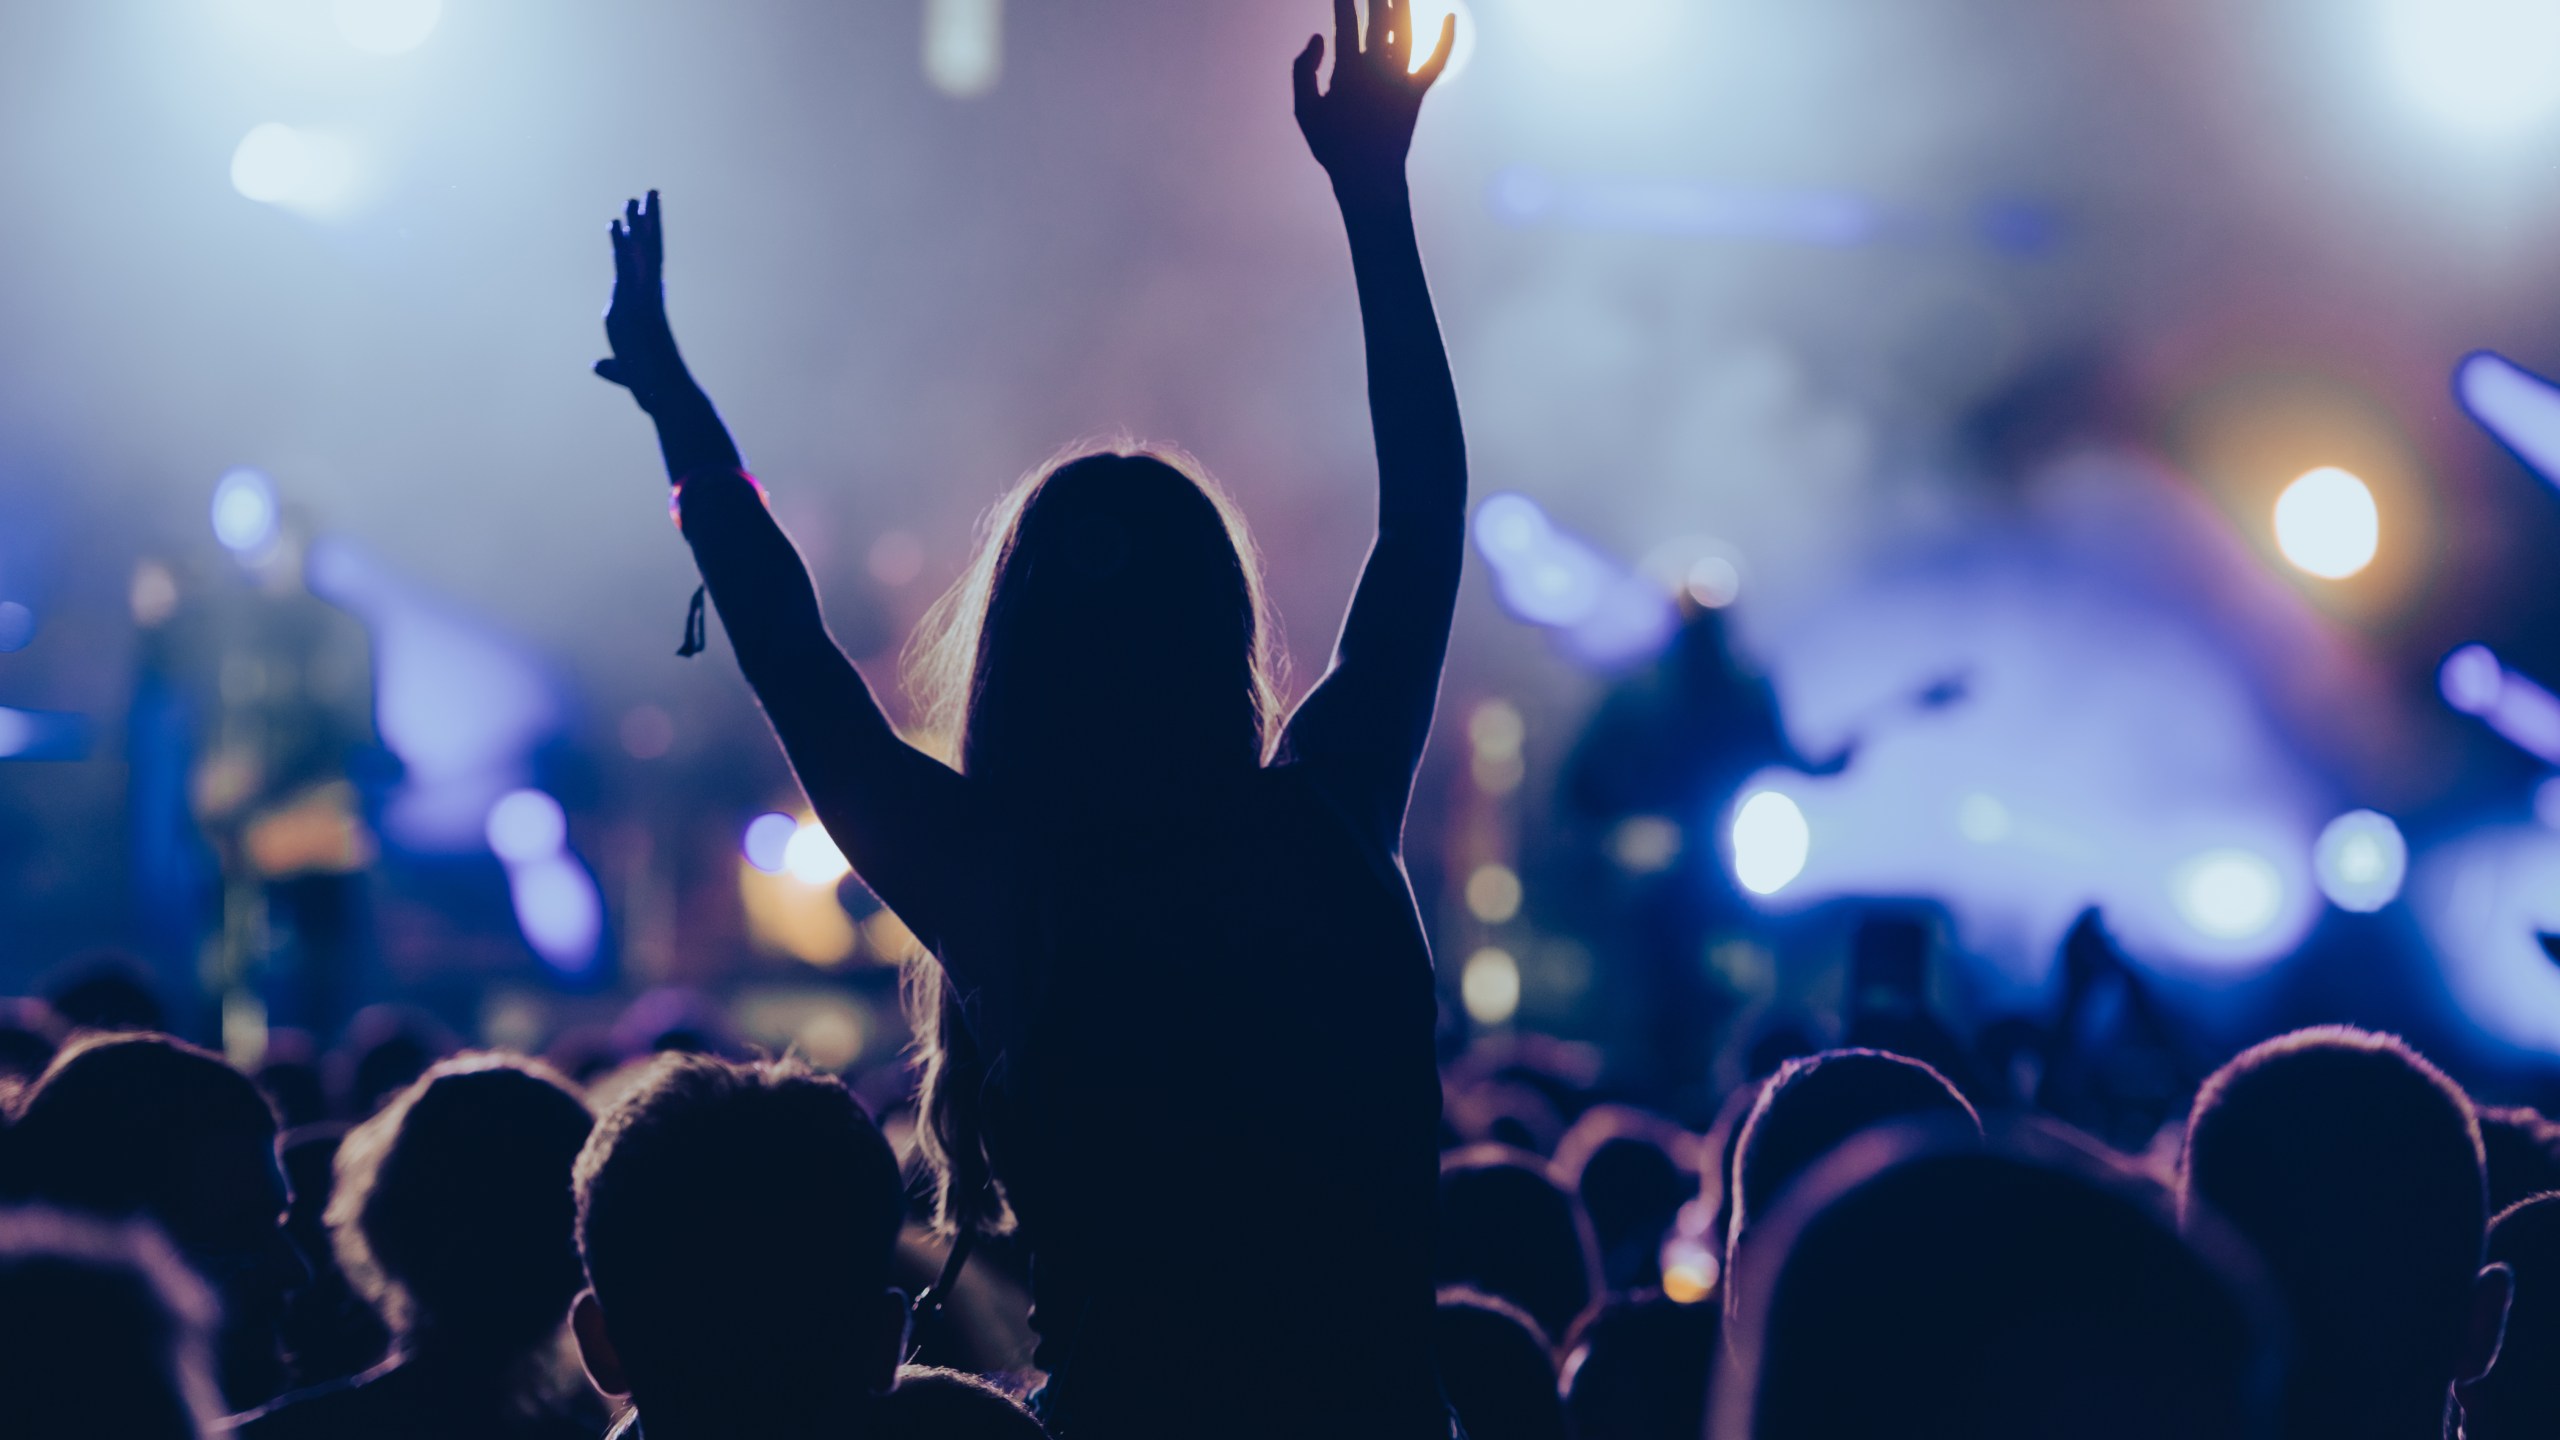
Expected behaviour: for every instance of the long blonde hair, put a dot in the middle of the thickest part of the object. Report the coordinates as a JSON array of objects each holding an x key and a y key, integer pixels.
[{"x": 948, "y": 663}]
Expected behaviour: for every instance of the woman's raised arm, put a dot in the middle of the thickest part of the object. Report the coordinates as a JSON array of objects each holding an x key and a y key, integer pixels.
[
  {"x": 898, "y": 813},
  {"x": 1364, "y": 726}
]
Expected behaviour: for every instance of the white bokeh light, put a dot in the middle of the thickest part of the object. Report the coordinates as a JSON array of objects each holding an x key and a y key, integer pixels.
[
  {"x": 304, "y": 171},
  {"x": 386, "y": 27},
  {"x": 1489, "y": 986},
  {"x": 2361, "y": 861},
  {"x": 526, "y": 826},
  {"x": 2228, "y": 894},
  {"x": 2327, "y": 524},
  {"x": 1770, "y": 842},
  {"x": 2480, "y": 68},
  {"x": 244, "y": 511},
  {"x": 812, "y": 856}
]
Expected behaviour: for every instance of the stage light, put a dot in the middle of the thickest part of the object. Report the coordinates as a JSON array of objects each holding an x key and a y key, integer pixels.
[
  {"x": 1608, "y": 614},
  {"x": 526, "y": 826},
  {"x": 244, "y": 511},
  {"x": 2480, "y": 67},
  {"x": 1770, "y": 842},
  {"x": 299, "y": 170},
  {"x": 1489, "y": 986},
  {"x": 153, "y": 596},
  {"x": 812, "y": 856},
  {"x": 558, "y": 910},
  {"x": 2471, "y": 679},
  {"x": 2361, "y": 861},
  {"x": 1493, "y": 894},
  {"x": 2228, "y": 894},
  {"x": 1644, "y": 844},
  {"x": 1982, "y": 819},
  {"x": 1427, "y": 15},
  {"x": 1495, "y": 733},
  {"x": 768, "y": 842},
  {"x": 2519, "y": 407},
  {"x": 2327, "y": 525},
  {"x": 386, "y": 27},
  {"x": 964, "y": 46},
  {"x": 17, "y": 626},
  {"x": 17, "y": 732},
  {"x": 1714, "y": 582},
  {"x": 805, "y": 922},
  {"x": 1689, "y": 1268}
]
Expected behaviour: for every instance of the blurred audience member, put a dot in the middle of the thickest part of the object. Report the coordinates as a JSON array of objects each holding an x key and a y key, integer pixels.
[
  {"x": 2354, "y": 1167},
  {"x": 103, "y": 1333},
  {"x": 329, "y": 1331},
  {"x": 1920, "y": 1285},
  {"x": 1632, "y": 1171},
  {"x": 384, "y": 1049},
  {"x": 1509, "y": 1230},
  {"x": 737, "y": 1223},
  {"x": 105, "y": 991},
  {"x": 142, "y": 1125},
  {"x": 452, "y": 1215},
  {"x": 1497, "y": 1368},
  {"x": 1638, "y": 1369},
  {"x": 290, "y": 1075},
  {"x": 2522, "y": 1148}
]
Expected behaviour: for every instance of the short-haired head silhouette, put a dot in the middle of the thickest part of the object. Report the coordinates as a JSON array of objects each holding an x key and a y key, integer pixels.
[
  {"x": 126, "y": 1125},
  {"x": 2520, "y": 1396},
  {"x": 1923, "y": 1283},
  {"x": 105, "y": 990},
  {"x": 453, "y": 1213},
  {"x": 1509, "y": 1230},
  {"x": 2522, "y": 1148},
  {"x": 103, "y": 1332},
  {"x": 737, "y": 1223},
  {"x": 1497, "y": 1368},
  {"x": 1632, "y": 1171},
  {"x": 2354, "y": 1168},
  {"x": 1638, "y": 1369},
  {"x": 936, "y": 1404},
  {"x": 1814, "y": 1104}
]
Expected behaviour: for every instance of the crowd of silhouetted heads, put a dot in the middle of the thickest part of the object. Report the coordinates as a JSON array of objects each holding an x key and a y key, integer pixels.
[{"x": 402, "y": 1237}]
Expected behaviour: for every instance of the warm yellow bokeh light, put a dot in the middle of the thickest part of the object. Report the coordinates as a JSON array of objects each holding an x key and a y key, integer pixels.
[
  {"x": 1493, "y": 893},
  {"x": 1490, "y": 986}
]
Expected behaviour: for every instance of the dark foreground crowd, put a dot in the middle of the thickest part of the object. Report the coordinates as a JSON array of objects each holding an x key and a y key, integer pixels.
[{"x": 2343, "y": 1246}]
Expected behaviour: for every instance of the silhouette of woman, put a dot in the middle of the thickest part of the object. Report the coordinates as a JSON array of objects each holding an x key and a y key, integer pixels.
[{"x": 1178, "y": 1011}]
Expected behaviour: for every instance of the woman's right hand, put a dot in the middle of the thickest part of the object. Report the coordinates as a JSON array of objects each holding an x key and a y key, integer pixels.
[{"x": 645, "y": 361}]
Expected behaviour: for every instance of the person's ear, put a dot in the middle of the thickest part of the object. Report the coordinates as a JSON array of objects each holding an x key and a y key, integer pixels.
[
  {"x": 595, "y": 1347},
  {"x": 885, "y": 1344},
  {"x": 2492, "y": 1291}
]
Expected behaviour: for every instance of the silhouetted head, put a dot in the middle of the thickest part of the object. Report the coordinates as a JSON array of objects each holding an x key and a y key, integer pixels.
[
  {"x": 452, "y": 1212},
  {"x": 931, "y": 1403},
  {"x": 2522, "y": 1148},
  {"x": 105, "y": 991},
  {"x": 102, "y": 1332},
  {"x": 1509, "y": 1230},
  {"x": 1815, "y": 1104},
  {"x": 2354, "y": 1167},
  {"x": 1632, "y": 1171},
  {"x": 1111, "y": 632},
  {"x": 385, "y": 1048},
  {"x": 142, "y": 1125},
  {"x": 1921, "y": 1284},
  {"x": 2520, "y": 1396},
  {"x": 1638, "y": 1369},
  {"x": 737, "y": 1223},
  {"x": 1497, "y": 1368}
]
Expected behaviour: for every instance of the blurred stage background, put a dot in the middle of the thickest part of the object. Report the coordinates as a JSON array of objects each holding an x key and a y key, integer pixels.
[{"x": 1942, "y": 361}]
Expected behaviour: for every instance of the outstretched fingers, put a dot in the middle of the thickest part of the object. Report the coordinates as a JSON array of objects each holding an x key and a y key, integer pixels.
[
  {"x": 1440, "y": 53},
  {"x": 1346, "y": 31},
  {"x": 1302, "y": 75}
]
